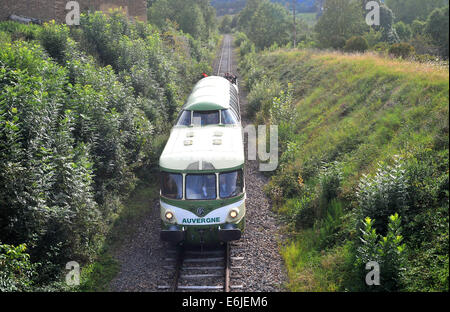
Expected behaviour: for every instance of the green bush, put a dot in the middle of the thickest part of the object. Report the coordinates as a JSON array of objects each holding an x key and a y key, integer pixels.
[
  {"x": 261, "y": 95},
  {"x": 239, "y": 38},
  {"x": 304, "y": 213},
  {"x": 356, "y": 44},
  {"x": 330, "y": 228},
  {"x": 246, "y": 47},
  {"x": 403, "y": 30},
  {"x": 387, "y": 251},
  {"x": 53, "y": 38},
  {"x": 16, "y": 270},
  {"x": 20, "y": 31},
  {"x": 383, "y": 194},
  {"x": 403, "y": 50},
  {"x": 75, "y": 135}
]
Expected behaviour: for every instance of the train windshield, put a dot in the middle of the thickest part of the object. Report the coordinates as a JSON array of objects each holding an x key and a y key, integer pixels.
[
  {"x": 206, "y": 118},
  {"x": 228, "y": 117},
  {"x": 184, "y": 119},
  {"x": 172, "y": 185},
  {"x": 201, "y": 186},
  {"x": 231, "y": 184}
]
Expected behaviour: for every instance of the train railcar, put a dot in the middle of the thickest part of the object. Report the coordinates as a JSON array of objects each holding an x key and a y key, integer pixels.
[{"x": 202, "y": 168}]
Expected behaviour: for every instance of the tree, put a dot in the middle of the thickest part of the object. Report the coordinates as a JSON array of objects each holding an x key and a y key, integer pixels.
[
  {"x": 409, "y": 10},
  {"x": 225, "y": 25},
  {"x": 437, "y": 28},
  {"x": 356, "y": 44},
  {"x": 403, "y": 31},
  {"x": 195, "y": 17},
  {"x": 341, "y": 20},
  {"x": 386, "y": 27},
  {"x": 246, "y": 14},
  {"x": 269, "y": 24}
]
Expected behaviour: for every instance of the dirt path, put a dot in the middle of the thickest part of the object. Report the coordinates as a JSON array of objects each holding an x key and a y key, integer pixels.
[{"x": 142, "y": 258}]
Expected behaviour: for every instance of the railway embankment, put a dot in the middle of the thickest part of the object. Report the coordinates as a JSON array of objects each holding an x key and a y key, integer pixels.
[{"x": 361, "y": 136}]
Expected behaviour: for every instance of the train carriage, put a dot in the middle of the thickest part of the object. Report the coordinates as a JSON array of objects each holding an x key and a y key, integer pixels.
[{"x": 202, "y": 168}]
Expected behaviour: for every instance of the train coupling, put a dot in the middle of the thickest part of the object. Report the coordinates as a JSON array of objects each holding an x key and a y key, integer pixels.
[
  {"x": 173, "y": 234},
  {"x": 229, "y": 233}
]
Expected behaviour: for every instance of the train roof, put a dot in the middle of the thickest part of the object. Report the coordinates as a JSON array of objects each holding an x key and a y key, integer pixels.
[
  {"x": 210, "y": 148},
  {"x": 210, "y": 93}
]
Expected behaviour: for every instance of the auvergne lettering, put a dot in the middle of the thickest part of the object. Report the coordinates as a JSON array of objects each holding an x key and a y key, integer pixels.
[{"x": 200, "y": 220}]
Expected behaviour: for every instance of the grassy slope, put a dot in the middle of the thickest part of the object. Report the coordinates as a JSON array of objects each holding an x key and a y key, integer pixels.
[
  {"x": 362, "y": 108},
  {"x": 359, "y": 110}
]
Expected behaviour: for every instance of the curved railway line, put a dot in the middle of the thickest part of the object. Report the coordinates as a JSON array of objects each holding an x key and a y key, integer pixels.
[{"x": 202, "y": 269}]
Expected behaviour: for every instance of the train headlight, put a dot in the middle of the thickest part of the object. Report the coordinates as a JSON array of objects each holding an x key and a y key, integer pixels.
[
  {"x": 234, "y": 213},
  {"x": 169, "y": 215}
]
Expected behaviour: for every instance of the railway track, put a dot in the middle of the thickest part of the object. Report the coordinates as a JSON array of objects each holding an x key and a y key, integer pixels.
[
  {"x": 205, "y": 269},
  {"x": 225, "y": 62},
  {"x": 198, "y": 269}
]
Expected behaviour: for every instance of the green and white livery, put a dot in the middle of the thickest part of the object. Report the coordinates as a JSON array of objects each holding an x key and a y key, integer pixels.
[{"x": 202, "y": 168}]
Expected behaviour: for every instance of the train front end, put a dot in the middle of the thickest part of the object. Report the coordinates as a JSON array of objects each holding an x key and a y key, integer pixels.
[{"x": 202, "y": 197}]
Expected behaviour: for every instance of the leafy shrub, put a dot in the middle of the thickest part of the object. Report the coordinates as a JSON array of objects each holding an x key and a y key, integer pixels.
[
  {"x": 5, "y": 37},
  {"x": 16, "y": 270},
  {"x": 330, "y": 178},
  {"x": 403, "y": 50},
  {"x": 282, "y": 108},
  {"x": 20, "y": 31},
  {"x": 261, "y": 95},
  {"x": 304, "y": 214},
  {"x": 330, "y": 227},
  {"x": 246, "y": 47},
  {"x": 403, "y": 30},
  {"x": 54, "y": 38},
  {"x": 239, "y": 38},
  {"x": 387, "y": 251},
  {"x": 384, "y": 194},
  {"x": 356, "y": 44},
  {"x": 382, "y": 47}
]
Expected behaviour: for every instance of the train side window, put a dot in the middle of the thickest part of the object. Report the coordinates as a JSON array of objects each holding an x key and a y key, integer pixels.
[
  {"x": 201, "y": 186},
  {"x": 234, "y": 104},
  {"x": 228, "y": 118},
  {"x": 235, "y": 112},
  {"x": 184, "y": 119},
  {"x": 231, "y": 184},
  {"x": 172, "y": 185},
  {"x": 206, "y": 118}
]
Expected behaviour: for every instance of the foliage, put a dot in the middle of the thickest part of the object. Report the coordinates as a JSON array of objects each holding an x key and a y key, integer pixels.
[
  {"x": 225, "y": 24},
  {"x": 408, "y": 11},
  {"x": 403, "y": 50},
  {"x": 403, "y": 30},
  {"x": 195, "y": 17},
  {"x": 254, "y": 20},
  {"x": 341, "y": 20},
  {"x": 75, "y": 135},
  {"x": 20, "y": 31},
  {"x": 272, "y": 14},
  {"x": 16, "y": 270},
  {"x": 282, "y": 107},
  {"x": 53, "y": 38},
  {"x": 356, "y": 44},
  {"x": 438, "y": 29},
  {"x": 353, "y": 114},
  {"x": 387, "y": 251},
  {"x": 384, "y": 194}
]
